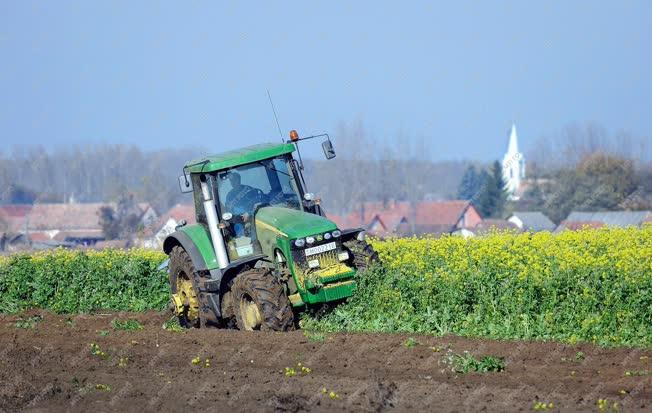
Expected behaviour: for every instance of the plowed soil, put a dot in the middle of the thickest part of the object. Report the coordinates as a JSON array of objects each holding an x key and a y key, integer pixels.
[{"x": 50, "y": 367}]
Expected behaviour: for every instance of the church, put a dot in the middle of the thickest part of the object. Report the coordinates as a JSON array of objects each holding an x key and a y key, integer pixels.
[{"x": 513, "y": 166}]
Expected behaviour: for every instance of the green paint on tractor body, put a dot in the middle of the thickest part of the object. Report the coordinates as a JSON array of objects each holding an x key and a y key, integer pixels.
[
  {"x": 202, "y": 240},
  {"x": 239, "y": 157},
  {"x": 315, "y": 269}
]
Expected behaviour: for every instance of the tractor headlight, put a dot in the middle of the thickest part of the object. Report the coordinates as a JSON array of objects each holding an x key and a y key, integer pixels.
[
  {"x": 336, "y": 233},
  {"x": 327, "y": 235},
  {"x": 300, "y": 242},
  {"x": 310, "y": 240}
]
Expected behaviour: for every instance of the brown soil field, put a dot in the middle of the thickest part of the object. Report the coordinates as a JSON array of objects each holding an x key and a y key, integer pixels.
[{"x": 50, "y": 367}]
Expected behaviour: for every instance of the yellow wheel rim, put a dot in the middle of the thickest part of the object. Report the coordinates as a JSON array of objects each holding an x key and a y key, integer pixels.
[
  {"x": 185, "y": 300},
  {"x": 250, "y": 313}
]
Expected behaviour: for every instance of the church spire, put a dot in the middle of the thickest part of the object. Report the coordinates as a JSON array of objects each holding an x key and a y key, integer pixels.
[
  {"x": 512, "y": 148},
  {"x": 513, "y": 165}
]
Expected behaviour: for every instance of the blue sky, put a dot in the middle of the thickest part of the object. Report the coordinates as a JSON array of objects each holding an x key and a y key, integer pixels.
[{"x": 163, "y": 74}]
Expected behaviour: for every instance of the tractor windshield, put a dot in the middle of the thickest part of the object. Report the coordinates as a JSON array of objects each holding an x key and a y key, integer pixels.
[{"x": 243, "y": 189}]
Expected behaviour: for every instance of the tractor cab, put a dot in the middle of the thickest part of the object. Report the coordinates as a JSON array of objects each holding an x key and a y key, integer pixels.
[{"x": 244, "y": 190}]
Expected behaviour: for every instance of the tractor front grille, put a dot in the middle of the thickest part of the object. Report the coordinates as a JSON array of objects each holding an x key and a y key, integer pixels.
[{"x": 330, "y": 268}]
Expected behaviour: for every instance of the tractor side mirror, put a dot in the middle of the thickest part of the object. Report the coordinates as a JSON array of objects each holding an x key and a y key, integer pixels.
[
  {"x": 329, "y": 151},
  {"x": 185, "y": 184}
]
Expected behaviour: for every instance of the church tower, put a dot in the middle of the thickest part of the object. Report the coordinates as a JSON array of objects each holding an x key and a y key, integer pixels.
[{"x": 513, "y": 166}]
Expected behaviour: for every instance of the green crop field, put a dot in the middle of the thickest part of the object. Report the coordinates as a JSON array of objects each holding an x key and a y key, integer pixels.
[
  {"x": 591, "y": 285},
  {"x": 71, "y": 281}
]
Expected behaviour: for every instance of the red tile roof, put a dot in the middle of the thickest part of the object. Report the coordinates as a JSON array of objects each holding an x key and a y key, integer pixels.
[
  {"x": 177, "y": 212},
  {"x": 39, "y": 236},
  {"x": 428, "y": 216},
  {"x": 577, "y": 225},
  {"x": 14, "y": 216},
  {"x": 62, "y": 217},
  {"x": 65, "y": 216},
  {"x": 488, "y": 225},
  {"x": 440, "y": 212}
]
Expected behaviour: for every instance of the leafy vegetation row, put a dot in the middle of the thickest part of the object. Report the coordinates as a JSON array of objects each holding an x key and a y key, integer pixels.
[
  {"x": 591, "y": 285},
  {"x": 71, "y": 281}
]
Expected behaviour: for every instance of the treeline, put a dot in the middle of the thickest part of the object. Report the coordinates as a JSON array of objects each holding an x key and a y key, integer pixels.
[
  {"x": 580, "y": 168},
  {"x": 102, "y": 173},
  {"x": 91, "y": 174},
  {"x": 584, "y": 168},
  {"x": 367, "y": 169}
]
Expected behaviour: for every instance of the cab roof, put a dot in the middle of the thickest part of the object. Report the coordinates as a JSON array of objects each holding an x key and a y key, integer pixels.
[{"x": 237, "y": 157}]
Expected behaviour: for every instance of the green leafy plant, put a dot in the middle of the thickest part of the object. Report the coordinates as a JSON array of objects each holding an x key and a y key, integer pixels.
[
  {"x": 97, "y": 351},
  {"x": 630, "y": 373},
  {"x": 465, "y": 363},
  {"x": 74, "y": 281},
  {"x": 29, "y": 322},
  {"x": 127, "y": 325},
  {"x": 604, "y": 405},
  {"x": 173, "y": 325},
  {"x": 314, "y": 336},
  {"x": 543, "y": 406},
  {"x": 102, "y": 387},
  {"x": 410, "y": 342}
]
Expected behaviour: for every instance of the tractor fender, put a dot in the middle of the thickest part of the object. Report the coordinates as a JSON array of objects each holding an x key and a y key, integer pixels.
[
  {"x": 348, "y": 234},
  {"x": 235, "y": 267},
  {"x": 182, "y": 239}
]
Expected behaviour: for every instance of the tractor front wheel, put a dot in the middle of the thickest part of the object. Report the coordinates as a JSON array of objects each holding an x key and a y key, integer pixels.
[
  {"x": 260, "y": 303},
  {"x": 185, "y": 302}
]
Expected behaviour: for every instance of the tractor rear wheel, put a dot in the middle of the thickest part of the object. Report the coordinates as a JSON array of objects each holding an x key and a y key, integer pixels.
[
  {"x": 185, "y": 302},
  {"x": 363, "y": 254},
  {"x": 260, "y": 303}
]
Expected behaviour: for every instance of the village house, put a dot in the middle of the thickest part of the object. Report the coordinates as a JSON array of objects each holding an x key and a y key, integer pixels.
[
  {"x": 404, "y": 219},
  {"x": 69, "y": 224},
  {"x": 166, "y": 224},
  {"x": 578, "y": 220},
  {"x": 531, "y": 221}
]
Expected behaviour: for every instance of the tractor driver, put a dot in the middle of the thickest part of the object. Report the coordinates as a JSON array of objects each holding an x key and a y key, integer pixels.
[{"x": 240, "y": 201}]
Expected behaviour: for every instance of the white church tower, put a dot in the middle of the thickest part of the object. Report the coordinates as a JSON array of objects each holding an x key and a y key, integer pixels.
[{"x": 513, "y": 166}]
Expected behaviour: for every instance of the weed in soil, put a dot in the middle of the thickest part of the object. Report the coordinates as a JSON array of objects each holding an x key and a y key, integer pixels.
[
  {"x": 604, "y": 405},
  {"x": 97, "y": 351},
  {"x": 465, "y": 363},
  {"x": 28, "y": 322},
  {"x": 315, "y": 336},
  {"x": 173, "y": 325},
  {"x": 127, "y": 325},
  {"x": 543, "y": 406},
  {"x": 410, "y": 342},
  {"x": 630, "y": 373}
]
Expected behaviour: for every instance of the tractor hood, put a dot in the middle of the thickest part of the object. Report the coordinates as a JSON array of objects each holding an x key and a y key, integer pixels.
[{"x": 292, "y": 223}]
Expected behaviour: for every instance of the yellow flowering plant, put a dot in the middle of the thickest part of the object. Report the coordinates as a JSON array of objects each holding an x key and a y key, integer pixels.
[{"x": 589, "y": 285}]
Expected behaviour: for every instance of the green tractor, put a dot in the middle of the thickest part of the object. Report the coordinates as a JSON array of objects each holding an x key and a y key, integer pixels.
[{"x": 262, "y": 248}]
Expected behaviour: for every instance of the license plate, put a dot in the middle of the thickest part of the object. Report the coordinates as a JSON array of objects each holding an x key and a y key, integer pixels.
[{"x": 320, "y": 248}]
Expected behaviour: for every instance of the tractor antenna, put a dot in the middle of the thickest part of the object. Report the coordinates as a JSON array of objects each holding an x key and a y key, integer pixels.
[{"x": 278, "y": 125}]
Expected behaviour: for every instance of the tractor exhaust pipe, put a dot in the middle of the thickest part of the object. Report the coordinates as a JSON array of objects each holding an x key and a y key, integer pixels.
[{"x": 211, "y": 217}]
